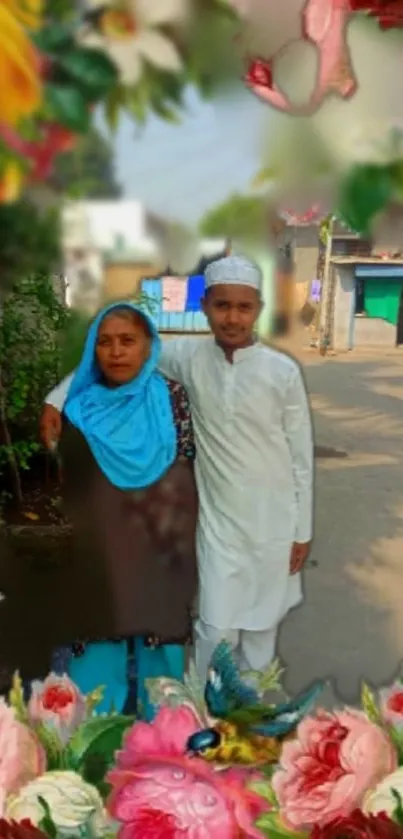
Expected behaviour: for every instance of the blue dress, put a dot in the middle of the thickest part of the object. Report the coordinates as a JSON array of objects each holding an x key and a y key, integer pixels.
[{"x": 123, "y": 666}]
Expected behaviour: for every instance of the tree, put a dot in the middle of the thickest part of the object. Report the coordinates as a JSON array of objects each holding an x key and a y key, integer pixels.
[
  {"x": 88, "y": 170},
  {"x": 29, "y": 242},
  {"x": 240, "y": 217},
  {"x": 31, "y": 319}
]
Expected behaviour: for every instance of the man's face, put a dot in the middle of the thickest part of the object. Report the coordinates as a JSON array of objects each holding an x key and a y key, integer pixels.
[{"x": 232, "y": 311}]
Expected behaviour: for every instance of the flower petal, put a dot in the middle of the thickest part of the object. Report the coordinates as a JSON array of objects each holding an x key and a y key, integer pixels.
[
  {"x": 159, "y": 50},
  {"x": 127, "y": 56},
  {"x": 88, "y": 38},
  {"x": 92, "y": 5},
  {"x": 159, "y": 12}
]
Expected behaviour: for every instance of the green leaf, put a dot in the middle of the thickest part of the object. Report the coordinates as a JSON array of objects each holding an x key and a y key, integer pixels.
[
  {"x": 139, "y": 102},
  {"x": 172, "y": 88},
  {"x": 265, "y": 790},
  {"x": 365, "y": 192},
  {"x": 398, "y": 811},
  {"x": 92, "y": 69},
  {"x": 269, "y": 680},
  {"x": 91, "y": 750},
  {"x": 94, "y": 698},
  {"x": 16, "y": 699},
  {"x": 270, "y": 825},
  {"x": 396, "y": 737},
  {"x": 396, "y": 170},
  {"x": 369, "y": 705},
  {"x": 53, "y": 746},
  {"x": 162, "y": 110},
  {"x": 54, "y": 39},
  {"x": 47, "y": 824},
  {"x": 115, "y": 100},
  {"x": 68, "y": 107}
]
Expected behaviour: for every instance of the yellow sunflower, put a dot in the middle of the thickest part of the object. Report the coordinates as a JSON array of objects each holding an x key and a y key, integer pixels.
[
  {"x": 20, "y": 89},
  {"x": 27, "y": 12}
]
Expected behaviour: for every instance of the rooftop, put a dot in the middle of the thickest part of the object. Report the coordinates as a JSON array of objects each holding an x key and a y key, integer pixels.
[{"x": 365, "y": 260}]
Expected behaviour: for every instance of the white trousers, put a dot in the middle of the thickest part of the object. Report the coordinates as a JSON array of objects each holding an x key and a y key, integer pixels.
[{"x": 254, "y": 650}]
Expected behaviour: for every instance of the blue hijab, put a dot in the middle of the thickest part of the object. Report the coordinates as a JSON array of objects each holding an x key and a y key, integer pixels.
[{"x": 129, "y": 429}]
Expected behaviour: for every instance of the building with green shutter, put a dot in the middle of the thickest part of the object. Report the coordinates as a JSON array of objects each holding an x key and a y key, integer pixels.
[{"x": 364, "y": 303}]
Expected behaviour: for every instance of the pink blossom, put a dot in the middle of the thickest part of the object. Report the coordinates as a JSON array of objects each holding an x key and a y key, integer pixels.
[
  {"x": 157, "y": 787},
  {"x": 167, "y": 735},
  {"x": 324, "y": 25},
  {"x": 22, "y": 757},
  {"x": 392, "y": 705},
  {"x": 325, "y": 773},
  {"x": 58, "y": 704}
]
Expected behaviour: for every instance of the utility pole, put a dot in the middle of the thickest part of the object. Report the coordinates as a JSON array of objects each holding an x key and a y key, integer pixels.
[{"x": 325, "y": 302}]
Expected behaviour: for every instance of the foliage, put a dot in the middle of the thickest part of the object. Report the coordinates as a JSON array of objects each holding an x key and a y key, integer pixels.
[
  {"x": 210, "y": 65},
  {"x": 239, "y": 217},
  {"x": 93, "y": 739},
  {"x": 87, "y": 170},
  {"x": 29, "y": 242},
  {"x": 324, "y": 229},
  {"x": 299, "y": 796},
  {"x": 73, "y": 79},
  {"x": 32, "y": 317},
  {"x": 73, "y": 339},
  {"x": 79, "y": 79}
]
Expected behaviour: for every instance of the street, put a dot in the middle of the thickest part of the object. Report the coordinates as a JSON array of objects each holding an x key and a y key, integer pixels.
[{"x": 350, "y": 626}]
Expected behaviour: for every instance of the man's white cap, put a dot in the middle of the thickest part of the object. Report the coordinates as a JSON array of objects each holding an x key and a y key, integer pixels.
[{"x": 234, "y": 270}]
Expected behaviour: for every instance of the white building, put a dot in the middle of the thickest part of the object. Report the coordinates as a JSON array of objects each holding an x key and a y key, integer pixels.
[{"x": 95, "y": 232}]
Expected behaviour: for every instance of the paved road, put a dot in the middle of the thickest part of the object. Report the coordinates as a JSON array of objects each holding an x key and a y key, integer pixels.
[{"x": 351, "y": 624}]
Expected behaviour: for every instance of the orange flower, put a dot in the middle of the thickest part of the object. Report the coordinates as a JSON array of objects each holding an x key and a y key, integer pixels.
[
  {"x": 27, "y": 12},
  {"x": 11, "y": 183},
  {"x": 20, "y": 89}
]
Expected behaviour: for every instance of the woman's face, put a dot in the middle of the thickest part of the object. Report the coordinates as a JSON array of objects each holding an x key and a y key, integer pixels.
[{"x": 123, "y": 347}]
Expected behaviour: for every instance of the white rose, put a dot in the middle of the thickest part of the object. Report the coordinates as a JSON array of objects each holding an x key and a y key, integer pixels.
[
  {"x": 381, "y": 799},
  {"x": 72, "y": 803}
]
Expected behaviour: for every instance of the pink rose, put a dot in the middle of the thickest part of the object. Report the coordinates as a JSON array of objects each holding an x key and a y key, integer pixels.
[
  {"x": 159, "y": 792},
  {"x": 167, "y": 735},
  {"x": 391, "y": 701},
  {"x": 22, "y": 757},
  {"x": 325, "y": 773},
  {"x": 57, "y": 703}
]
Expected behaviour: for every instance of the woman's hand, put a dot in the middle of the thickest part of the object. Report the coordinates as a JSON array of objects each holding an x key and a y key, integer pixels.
[{"x": 50, "y": 427}]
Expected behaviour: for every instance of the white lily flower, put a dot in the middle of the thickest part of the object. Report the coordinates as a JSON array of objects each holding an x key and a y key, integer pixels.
[{"x": 129, "y": 32}]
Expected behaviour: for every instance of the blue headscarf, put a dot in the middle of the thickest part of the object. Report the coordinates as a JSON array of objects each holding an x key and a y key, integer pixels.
[{"x": 129, "y": 429}]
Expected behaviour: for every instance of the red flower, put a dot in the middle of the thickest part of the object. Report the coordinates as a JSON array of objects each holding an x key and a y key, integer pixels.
[
  {"x": 20, "y": 830},
  {"x": 153, "y": 824},
  {"x": 260, "y": 73},
  {"x": 359, "y": 826},
  {"x": 388, "y": 12}
]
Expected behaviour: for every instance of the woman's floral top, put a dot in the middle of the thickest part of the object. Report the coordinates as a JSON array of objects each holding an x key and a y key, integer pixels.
[
  {"x": 183, "y": 420},
  {"x": 185, "y": 449}
]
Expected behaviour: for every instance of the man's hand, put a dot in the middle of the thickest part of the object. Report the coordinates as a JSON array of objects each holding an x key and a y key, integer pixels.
[
  {"x": 299, "y": 555},
  {"x": 50, "y": 427}
]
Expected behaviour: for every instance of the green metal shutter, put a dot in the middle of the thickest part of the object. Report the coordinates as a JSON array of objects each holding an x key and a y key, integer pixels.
[{"x": 382, "y": 299}]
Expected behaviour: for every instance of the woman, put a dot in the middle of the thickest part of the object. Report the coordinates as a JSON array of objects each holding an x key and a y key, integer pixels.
[{"x": 127, "y": 451}]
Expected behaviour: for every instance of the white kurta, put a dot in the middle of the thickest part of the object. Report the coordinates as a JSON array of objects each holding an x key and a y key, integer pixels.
[{"x": 254, "y": 471}]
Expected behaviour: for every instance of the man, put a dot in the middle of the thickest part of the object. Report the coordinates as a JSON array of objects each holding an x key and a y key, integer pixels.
[{"x": 254, "y": 468}]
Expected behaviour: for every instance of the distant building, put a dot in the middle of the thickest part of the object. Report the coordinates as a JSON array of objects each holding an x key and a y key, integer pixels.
[
  {"x": 107, "y": 247},
  {"x": 111, "y": 246},
  {"x": 364, "y": 307}
]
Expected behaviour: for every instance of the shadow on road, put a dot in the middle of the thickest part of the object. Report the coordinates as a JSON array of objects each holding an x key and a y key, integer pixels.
[{"x": 351, "y": 624}]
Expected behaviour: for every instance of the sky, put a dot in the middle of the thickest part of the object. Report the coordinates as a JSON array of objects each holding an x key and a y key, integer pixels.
[{"x": 181, "y": 171}]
